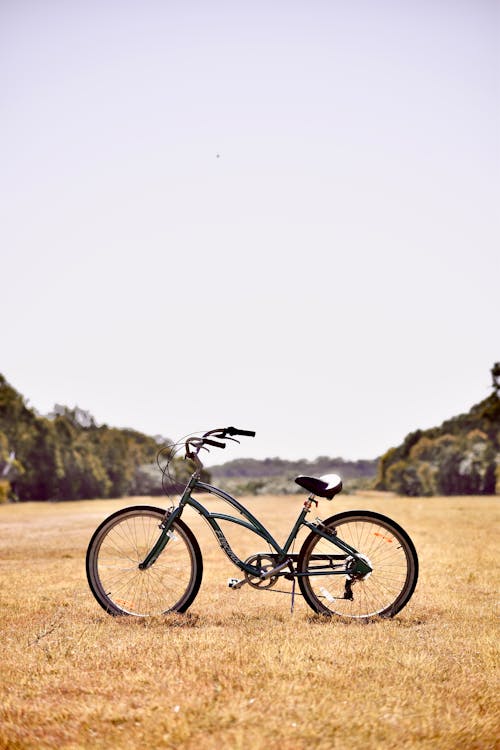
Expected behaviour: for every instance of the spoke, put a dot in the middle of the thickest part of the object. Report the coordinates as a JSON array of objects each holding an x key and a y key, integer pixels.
[
  {"x": 142, "y": 592},
  {"x": 381, "y": 588}
]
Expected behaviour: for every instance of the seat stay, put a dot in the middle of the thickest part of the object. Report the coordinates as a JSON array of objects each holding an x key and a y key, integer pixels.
[{"x": 333, "y": 539}]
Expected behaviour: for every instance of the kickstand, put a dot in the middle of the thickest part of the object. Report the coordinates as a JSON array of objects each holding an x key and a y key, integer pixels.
[{"x": 293, "y": 596}]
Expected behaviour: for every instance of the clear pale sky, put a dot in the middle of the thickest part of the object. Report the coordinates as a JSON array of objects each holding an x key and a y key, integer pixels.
[{"x": 278, "y": 215}]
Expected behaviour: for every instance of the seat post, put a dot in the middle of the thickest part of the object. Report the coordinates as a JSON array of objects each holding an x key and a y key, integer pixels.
[
  {"x": 298, "y": 523},
  {"x": 310, "y": 500}
]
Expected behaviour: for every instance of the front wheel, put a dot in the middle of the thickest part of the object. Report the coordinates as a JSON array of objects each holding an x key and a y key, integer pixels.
[
  {"x": 117, "y": 547},
  {"x": 334, "y": 584}
]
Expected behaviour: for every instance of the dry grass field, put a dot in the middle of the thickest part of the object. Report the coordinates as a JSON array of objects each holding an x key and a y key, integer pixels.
[{"x": 239, "y": 670}]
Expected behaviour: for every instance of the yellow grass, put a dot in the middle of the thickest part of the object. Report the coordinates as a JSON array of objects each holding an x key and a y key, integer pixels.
[{"x": 239, "y": 670}]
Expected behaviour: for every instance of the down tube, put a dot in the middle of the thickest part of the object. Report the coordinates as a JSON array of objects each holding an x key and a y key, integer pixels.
[{"x": 252, "y": 523}]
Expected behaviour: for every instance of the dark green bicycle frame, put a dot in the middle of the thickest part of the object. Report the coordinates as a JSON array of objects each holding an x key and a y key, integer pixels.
[{"x": 249, "y": 521}]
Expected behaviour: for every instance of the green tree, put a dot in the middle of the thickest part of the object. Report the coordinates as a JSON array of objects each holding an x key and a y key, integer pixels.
[{"x": 461, "y": 456}]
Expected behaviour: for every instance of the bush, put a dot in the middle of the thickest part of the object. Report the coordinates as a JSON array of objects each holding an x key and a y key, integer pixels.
[{"x": 4, "y": 491}]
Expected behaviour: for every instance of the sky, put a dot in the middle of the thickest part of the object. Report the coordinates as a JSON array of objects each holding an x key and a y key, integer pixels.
[{"x": 279, "y": 215}]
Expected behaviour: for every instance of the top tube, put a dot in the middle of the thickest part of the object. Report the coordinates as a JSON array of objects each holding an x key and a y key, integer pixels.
[{"x": 254, "y": 524}]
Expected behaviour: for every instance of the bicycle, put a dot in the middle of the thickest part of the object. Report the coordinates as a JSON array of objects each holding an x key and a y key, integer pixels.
[{"x": 145, "y": 561}]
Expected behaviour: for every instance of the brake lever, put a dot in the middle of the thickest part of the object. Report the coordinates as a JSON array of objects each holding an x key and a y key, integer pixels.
[{"x": 219, "y": 433}]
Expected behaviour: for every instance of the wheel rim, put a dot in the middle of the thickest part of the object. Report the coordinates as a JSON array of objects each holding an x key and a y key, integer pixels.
[
  {"x": 375, "y": 594},
  {"x": 144, "y": 593}
]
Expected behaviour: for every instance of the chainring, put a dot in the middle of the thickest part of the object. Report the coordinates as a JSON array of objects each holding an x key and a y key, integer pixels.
[{"x": 265, "y": 562}]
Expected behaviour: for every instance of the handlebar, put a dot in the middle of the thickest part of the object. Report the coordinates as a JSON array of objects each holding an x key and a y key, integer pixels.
[
  {"x": 195, "y": 444},
  {"x": 224, "y": 432},
  {"x": 236, "y": 431},
  {"x": 215, "y": 443}
]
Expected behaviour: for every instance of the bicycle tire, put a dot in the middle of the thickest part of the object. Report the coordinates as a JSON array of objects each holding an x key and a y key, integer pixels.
[
  {"x": 117, "y": 547},
  {"x": 382, "y": 593}
]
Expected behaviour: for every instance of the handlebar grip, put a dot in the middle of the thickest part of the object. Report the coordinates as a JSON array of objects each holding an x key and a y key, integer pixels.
[
  {"x": 236, "y": 431},
  {"x": 215, "y": 443}
]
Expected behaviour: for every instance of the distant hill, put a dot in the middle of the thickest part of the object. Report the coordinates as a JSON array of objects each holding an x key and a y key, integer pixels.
[
  {"x": 276, "y": 475},
  {"x": 461, "y": 457}
]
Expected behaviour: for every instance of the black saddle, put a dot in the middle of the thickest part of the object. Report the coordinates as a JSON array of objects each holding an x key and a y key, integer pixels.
[{"x": 327, "y": 486}]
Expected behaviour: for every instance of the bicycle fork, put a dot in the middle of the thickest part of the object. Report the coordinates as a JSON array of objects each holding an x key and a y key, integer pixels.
[
  {"x": 166, "y": 525},
  {"x": 166, "y": 535}
]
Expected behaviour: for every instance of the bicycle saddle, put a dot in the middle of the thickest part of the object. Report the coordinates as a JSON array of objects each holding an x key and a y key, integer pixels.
[{"x": 327, "y": 486}]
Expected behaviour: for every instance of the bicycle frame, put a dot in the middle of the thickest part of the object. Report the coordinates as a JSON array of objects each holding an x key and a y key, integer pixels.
[
  {"x": 131, "y": 570},
  {"x": 250, "y": 522}
]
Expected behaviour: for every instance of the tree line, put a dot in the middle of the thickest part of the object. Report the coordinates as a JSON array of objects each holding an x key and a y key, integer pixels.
[
  {"x": 278, "y": 467},
  {"x": 67, "y": 456},
  {"x": 462, "y": 457},
  {"x": 275, "y": 476}
]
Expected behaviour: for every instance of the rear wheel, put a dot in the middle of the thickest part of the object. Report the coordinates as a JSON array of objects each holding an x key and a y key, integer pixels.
[
  {"x": 346, "y": 589},
  {"x": 117, "y": 547}
]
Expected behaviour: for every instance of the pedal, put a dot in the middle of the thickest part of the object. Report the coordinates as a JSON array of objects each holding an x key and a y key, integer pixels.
[{"x": 235, "y": 583}]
